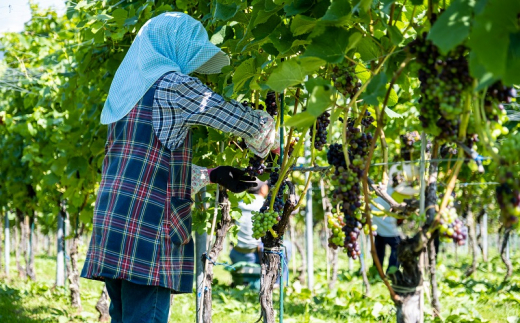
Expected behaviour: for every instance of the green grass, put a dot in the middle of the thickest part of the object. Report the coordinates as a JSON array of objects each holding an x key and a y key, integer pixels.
[{"x": 475, "y": 299}]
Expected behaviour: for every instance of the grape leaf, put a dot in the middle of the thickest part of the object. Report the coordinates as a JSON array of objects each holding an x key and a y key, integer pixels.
[
  {"x": 301, "y": 120},
  {"x": 225, "y": 11},
  {"x": 452, "y": 26},
  {"x": 243, "y": 73},
  {"x": 337, "y": 13},
  {"x": 297, "y": 6},
  {"x": 511, "y": 75},
  {"x": 368, "y": 49},
  {"x": 287, "y": 74},
  {"x": 490, "y": 36},
  {"x": 376, "y": 88},
  {"x": 302, "y": 25},
  {"x": 321, "y": 98},
  {"x": 395, "y": 35},
  {"x": 332, "y": 44},
  {"x": 282, "y": 38}
]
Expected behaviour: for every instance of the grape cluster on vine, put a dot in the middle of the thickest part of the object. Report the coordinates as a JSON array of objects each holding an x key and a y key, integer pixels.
[
  {"x": 262, "y": 222},
  {"x": 451, "y": 227},
  {"x": 345, "y": 80},
  {"x": 448, "y": 150},
  {"x": 336, "y": 224},
  {"x": 408, "y": 141},
  {"x": 347, "y": 182},
  {"x": 271, "y": 104},
  {"x": 443, "y": 81},
  {"x": 278, "y": 202},
  {"x": 256, "y": 166},
  {"x": 498, "y": 94},
  {"x": 322, "y": 123},
  {"x": 265, "y": 219}
]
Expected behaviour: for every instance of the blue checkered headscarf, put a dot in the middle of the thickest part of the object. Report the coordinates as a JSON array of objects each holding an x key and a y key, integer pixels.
[{"x": 172, "y": 41}]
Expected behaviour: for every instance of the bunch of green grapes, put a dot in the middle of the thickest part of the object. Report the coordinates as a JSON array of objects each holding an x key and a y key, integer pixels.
[
  {"x": 262, "y": 222},
  {"x": 336, "y": 224}
]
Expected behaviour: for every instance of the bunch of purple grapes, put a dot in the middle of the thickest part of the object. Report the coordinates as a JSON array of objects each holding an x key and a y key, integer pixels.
[
  {"x": 256, "y": 166},
  {"x": 447, "y": 150},
  {"x": 408, "y": 141},
  {"x": 271, "y": 104},
  {"x": 347, "y": 182},
  {"x": 443, "y": 79},
  {"x": 345, "y": 80},
  {"x": 322, "y": 123},
  {"x": 346, "y": 194},
  {"x": 457, "y": 231}
]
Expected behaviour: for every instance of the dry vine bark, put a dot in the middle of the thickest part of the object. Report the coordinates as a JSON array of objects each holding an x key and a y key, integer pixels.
[
  {"x": 505, "y": 260},
  {"x": 222, "y": 229},
  {"x": 31, "y": 271},
  {"x": 472, "y": 240},
  {"x": 480, "y": 236},
  {"x": 102, "y": 306},
  {"x": 271, "y": 259},
  {"x": 19, "y": 240},
  {"x": 72, "y": 270}
]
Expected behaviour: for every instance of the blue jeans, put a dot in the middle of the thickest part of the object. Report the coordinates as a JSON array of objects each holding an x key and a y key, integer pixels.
[
  {"x": 133, "y": 303},
  {"x": 393, "y": 242},
  {"x": 251, "y": 257}
]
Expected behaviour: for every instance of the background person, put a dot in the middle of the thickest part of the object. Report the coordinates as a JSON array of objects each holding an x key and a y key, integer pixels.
[{"x": 402, "y": 178}]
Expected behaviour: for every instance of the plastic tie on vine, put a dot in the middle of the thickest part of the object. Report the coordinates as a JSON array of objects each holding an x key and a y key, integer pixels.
[
  {"x": 200, "y": 292},
  {"x": 225, "y": 264},
  {"x": 479, "y": 158}
]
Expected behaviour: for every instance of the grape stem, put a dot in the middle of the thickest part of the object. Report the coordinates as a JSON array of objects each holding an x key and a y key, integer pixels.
[
  {"x": 289, "y": 137},
  {"x": 482, "y": 125},
  {"x": 284, "y": 170},
  {"x": 310, "y": 175},
  {"x": 384, "y": 151},
  {"x": 380, "y": 122}
]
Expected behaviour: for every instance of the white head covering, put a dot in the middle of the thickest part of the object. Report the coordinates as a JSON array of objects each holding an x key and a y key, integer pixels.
[{"x": 170, "y": 42}]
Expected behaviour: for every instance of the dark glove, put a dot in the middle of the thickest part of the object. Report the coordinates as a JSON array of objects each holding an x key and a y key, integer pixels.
[{"x": 234, "y": 179}]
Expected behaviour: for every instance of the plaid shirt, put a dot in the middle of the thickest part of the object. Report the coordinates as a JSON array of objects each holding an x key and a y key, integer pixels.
[{"x": 142, "y": 217}]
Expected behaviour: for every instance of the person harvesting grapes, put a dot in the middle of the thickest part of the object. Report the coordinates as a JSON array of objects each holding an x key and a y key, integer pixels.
[
  {"x": 141, "y": 242},
  {"x": 399, "y": 187}
]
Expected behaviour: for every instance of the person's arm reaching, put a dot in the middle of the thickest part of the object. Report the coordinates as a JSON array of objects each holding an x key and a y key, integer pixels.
[{"x": 189, "y": 103}]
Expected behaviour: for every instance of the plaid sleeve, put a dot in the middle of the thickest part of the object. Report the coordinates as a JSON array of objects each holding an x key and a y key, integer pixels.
[
  {"x": 204, "y": 107},
  {"x": 182, "y": 101}
]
